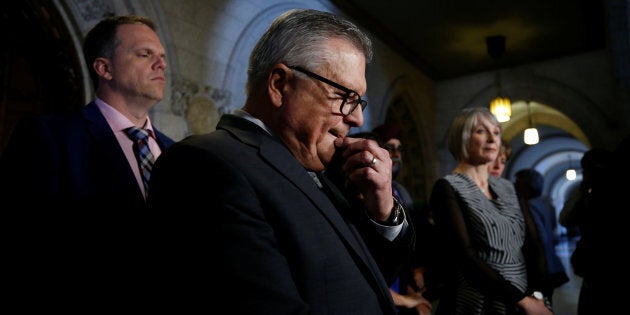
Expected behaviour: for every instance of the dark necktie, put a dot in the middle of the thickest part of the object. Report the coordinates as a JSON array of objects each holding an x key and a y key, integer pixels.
[{"x": 145, "y": 158}]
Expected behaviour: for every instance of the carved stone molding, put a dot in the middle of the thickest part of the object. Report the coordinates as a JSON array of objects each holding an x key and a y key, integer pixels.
[{"x": 94, "y": 9}]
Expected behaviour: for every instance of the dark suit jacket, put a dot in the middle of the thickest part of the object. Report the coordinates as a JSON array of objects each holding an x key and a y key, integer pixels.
[
  {"x": 71, "y": 161},
  {"x": 237, "y": 197},
  {"x": 74, "y": 211}
]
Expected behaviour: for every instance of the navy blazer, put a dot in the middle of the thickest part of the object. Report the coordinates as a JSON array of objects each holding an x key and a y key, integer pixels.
[
  {"x": 237, "y": 200},
  {"x": 74, "y": 213},
  {"x": 71, "y": 160}
]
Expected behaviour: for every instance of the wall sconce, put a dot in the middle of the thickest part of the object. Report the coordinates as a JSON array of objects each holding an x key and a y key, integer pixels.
[
  {"x": 530, "y": 137},
  {"x": 500, "y": 106}
]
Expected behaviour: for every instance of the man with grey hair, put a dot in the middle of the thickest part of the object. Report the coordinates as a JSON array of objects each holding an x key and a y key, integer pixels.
[{"x": 286, "y": 239}]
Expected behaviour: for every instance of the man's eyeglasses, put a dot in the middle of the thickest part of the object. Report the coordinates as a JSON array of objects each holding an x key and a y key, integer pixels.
[
  {"x": 351, "y": 100},
  {"x": 392, "y": 148}
]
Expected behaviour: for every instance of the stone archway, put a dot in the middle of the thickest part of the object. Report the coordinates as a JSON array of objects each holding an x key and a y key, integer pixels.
[
  {"x": 41, "y": 71},
  {"x": 405, "y": 103},
  {"x": 413, "y": 174},
  {"x": 582, "y": 117}
]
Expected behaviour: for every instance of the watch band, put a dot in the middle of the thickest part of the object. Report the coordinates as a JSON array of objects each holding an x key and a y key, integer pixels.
[{"x": 396, "y": 217}]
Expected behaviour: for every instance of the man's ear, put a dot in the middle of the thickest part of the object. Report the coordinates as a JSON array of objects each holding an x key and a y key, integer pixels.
[
  {"x": 102, "y": 67},
  {"x": 278, "y": 83}
]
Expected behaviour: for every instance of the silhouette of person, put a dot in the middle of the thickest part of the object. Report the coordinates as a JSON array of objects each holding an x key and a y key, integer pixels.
[
  {"x": 529, "y": 186},
  {"x": 409, "y": 289}
]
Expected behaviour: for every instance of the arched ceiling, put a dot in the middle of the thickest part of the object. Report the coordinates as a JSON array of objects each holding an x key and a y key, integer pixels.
[
  {"x": 541, "y": 114},
  {"x": 446, "y": 39},
  {"x": 562, "y": 145}
]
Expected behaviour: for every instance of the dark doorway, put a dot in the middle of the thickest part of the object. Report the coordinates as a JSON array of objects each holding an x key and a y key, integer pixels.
[{"x": 39, "y": 66}]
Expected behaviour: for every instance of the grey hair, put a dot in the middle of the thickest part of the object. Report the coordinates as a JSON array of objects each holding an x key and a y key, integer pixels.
[
  {"x": 461, "y": 127},
  {"x": 296, "y": 37}
]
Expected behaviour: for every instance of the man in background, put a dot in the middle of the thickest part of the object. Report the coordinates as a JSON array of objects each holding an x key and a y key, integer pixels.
[
  {"x": 409, "y": 288},
  {"x": 73, "y": 186},
  {"x": 85, "y": 159},
  {"x": 529, "y": 186},
  {"x": 388, "y": 136}
]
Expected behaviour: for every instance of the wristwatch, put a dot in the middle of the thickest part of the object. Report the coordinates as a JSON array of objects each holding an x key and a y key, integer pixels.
[
  {"x": 396, "y": 217},
  {"x": 538, "y": 295}
]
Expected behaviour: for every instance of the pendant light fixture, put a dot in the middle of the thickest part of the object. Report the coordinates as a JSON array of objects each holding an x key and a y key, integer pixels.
[
  {"x": 530, "y": 137},
  {"x": 571, "y": 174},
  {"x": 500, "y": 106}
]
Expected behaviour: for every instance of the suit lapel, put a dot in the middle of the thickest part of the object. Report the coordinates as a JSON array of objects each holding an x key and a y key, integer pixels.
[
  {"x": 280, "y": 158},
  {"x": 107, "y": 145},
  {"x": 344, "y": 205}
]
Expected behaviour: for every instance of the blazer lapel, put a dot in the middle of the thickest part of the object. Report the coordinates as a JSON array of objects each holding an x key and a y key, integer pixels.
[
  {"x": 280, "y": 158},
  {"x": 344, "y": 205},
  {"x": 108, "y": 146}
]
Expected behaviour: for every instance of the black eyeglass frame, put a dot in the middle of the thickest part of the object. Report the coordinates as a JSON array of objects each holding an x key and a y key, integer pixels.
[
  {"x": 346, "y": 90},
  {"x": 391, "y": 148}
]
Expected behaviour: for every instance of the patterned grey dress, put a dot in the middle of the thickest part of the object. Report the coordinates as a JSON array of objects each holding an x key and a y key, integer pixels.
[{"x": 484, "y": 237}]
